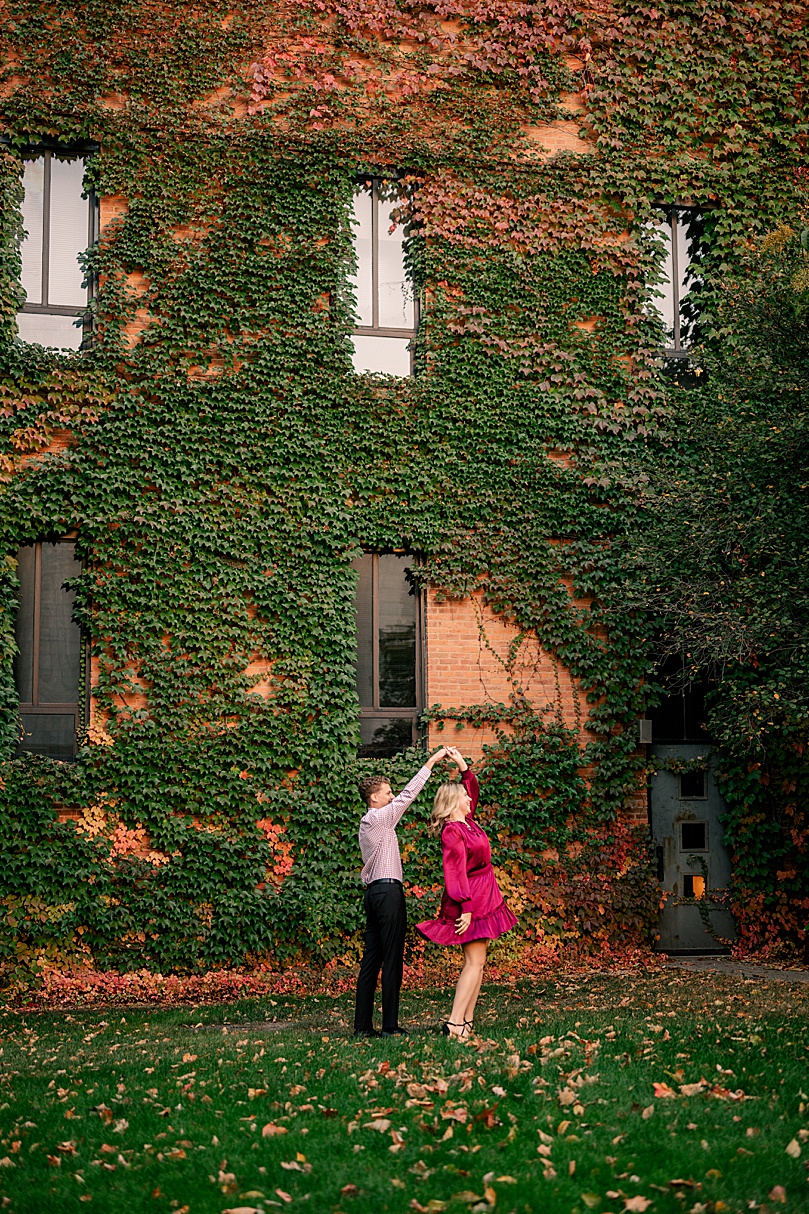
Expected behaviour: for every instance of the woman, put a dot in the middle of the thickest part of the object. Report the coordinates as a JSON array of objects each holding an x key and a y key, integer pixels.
[{"x": 472, "y": 908}]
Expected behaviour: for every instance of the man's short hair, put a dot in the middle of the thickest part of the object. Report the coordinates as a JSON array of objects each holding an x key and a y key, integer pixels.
[{"x": 369, "y": 785}]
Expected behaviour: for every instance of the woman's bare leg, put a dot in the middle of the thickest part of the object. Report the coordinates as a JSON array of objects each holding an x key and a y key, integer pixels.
[
  {"x": 469, "y": 1014},
  {"x": 468, "y": 986}
]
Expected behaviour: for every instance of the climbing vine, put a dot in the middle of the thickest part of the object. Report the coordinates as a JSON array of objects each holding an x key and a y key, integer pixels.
[{"x": 225, "y": 465}]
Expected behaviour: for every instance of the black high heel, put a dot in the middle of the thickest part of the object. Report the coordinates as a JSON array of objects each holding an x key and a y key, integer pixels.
[
  {"x": 469, "y": 1026},
  {"x": 446, "y": 1027}
]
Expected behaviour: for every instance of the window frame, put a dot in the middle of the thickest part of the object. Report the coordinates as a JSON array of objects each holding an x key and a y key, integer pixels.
[
  {"x": 47, "y": 149},
  {"x": 376, "y": 712},
  {"x": 375, "y": 180},
  {"x": 78, "y": 709}
]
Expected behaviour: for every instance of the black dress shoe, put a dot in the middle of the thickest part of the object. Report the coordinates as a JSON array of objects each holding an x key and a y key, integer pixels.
[
  {"x": 397, "y": 1032},
  {"x": 368, "y": 1033}
]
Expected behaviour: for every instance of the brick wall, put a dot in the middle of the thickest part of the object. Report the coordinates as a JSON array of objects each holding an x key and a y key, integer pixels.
[{"x": 468, "y": 662}]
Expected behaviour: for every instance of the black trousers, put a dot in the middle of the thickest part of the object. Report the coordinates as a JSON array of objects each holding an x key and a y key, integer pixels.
[{"x": 385, "y": 925}]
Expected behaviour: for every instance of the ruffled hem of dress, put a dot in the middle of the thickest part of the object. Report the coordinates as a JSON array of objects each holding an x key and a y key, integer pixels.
[{"x": 484, "y": 927}]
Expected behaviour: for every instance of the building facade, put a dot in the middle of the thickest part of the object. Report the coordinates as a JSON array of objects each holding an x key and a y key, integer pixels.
[{"x": 332, "y": 342}]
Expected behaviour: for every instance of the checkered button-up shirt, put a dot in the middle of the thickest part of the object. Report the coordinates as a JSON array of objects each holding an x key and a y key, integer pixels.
[{"x": 378, "y": 842}]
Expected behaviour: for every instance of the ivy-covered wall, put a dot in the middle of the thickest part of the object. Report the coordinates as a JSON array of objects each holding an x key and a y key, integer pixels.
[{"x": 223, "y": 464}]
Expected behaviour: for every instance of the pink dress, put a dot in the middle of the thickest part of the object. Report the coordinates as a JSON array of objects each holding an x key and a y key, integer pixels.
[{"x": 469, "y": 882}]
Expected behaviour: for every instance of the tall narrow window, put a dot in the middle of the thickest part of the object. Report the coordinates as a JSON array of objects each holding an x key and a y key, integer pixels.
[
  {"x": 387, "y": 313},
  {"x": 681, "y": 232},
  {"x": 59, "y": 222},
  {"x": 47, "y": 668},
  {"x": 388, "y": 655}
]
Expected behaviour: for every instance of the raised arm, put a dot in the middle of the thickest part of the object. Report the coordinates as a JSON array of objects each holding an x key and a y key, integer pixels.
[
  {"x": 470, "y": 783},
  {"x": 389, "y": 815},
  {"x": 468, "y": 777}
]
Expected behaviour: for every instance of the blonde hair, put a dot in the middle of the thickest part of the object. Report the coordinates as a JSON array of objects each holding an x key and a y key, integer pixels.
[{"x": 446, "y": 799}]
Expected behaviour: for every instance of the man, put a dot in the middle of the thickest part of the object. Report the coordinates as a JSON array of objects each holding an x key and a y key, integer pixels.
[{"x": 385, "y": 914}]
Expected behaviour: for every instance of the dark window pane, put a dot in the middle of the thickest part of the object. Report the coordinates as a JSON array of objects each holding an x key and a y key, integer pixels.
[
  {"x": 365, "y": 632},
  {"x": 693, "y": 836},
  {"x": 46, "y": 733},
  {"x": 692, "y": 785},
  {"x": 382, "y": 738},
  {"x": 24, "y": 634},
  {"x": 60, "y": 638},
  {"x": 397, "y": 635}
]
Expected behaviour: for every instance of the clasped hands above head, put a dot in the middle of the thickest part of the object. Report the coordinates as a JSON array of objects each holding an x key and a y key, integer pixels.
[{"x": 447, "y": 752}]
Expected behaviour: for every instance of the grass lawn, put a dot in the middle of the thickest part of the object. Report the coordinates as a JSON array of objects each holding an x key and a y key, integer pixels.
[{"x": 659, "y": 1091}]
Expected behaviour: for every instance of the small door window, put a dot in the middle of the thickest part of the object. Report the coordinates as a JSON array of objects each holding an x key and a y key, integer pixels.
[
  {"x": 694, "y": 886},
  {"x": 693, "y": 786},
  {"x": 693, "y": 836}
]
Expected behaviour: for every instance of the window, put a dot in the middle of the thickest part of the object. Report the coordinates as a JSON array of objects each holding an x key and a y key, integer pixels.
[
  {"x": 693, "y": 886},
  {"x": 387, "y": 311},
  {"x": 47, "y": 668},
  {"x": 693, "y": 836},
  {"x": 60, "y": 224},
  {"x": 388, "y": 655},
  {"x": 693, "y": 786},
  {"x": 681, "y": 233}
]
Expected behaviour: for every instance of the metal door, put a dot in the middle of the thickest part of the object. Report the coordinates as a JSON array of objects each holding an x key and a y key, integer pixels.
[{"x": 692, "y": 862}]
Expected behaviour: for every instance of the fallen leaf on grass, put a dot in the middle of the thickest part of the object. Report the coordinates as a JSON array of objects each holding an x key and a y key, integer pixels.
[
  {"x": 778, "y": 1193},
  {"x": 254, "y": 1093},
  {"x": 379, "y": 1123},
  {"x": 270, "y": 1130},
  {"x": 284, "y": 1196},
  {"x": 349, "y": 1190},
  {"x": 693, "y": 1089},
  {"x": 591, "y": 1200},
  {"x": 397, "y": 1141},
  {"x": 648, "y": 1112},
  {"x": 466, "y": 1196},
  {"x": 793, "y": 1149},
  {"x": 664, "y": 1092},
  {"x": 638, "y": 1203},
  {"x": 240, "y": 1210}
]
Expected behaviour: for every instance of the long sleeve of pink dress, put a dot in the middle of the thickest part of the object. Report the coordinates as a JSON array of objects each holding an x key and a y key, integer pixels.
[{"x": 469, "y": 881}]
